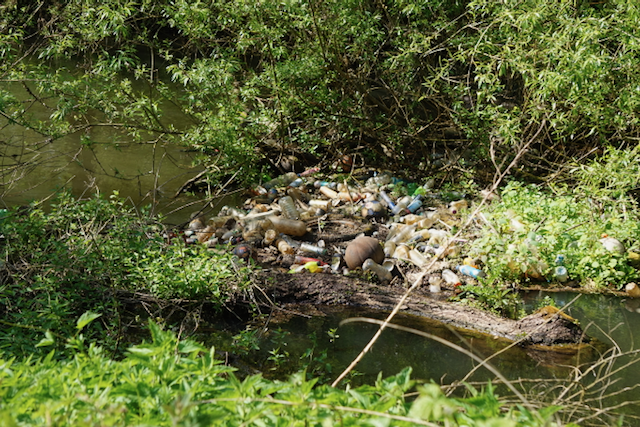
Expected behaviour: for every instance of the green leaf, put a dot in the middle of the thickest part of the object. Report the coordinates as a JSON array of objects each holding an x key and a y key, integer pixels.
[
  {"x": 86, "y": 318},
  {"x": 47, "y": 340}
]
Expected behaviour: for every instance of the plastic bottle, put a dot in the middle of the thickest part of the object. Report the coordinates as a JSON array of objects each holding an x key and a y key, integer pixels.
[
  {"x": 291, "y": 227},
  {"x": 417, "y": 258},
  {"x": 313, "y": 249},
  {"x": 284, "y": 247},
  {"x": 288, "y": 207},
  {"x": 419, "y": 236},
  {"x": 415, "y": 204},
  {"x": 269, "y": 236},
  {"x": 385, "y": 197},
  {"x": 450, "y": 277},
  {"x": 383, "y": 274},
  {"x": 322, "y": 204},
  {"x": 403, "y": 234},
  {"x": 470, "y": 271},
  {"x": 281, "y": 181},
  {"x": 298, "y": 182},
  {"x": 389, "y": 249},
  {"x": 401, "y": 206},
  {"x": 560, "y": 272},
  {"x": 411, "y": 219},
  {"x": 330, "y": 185},
  {"x": 435, "y": 284},
  {"x": 327, "y": 192},
  {"x": 401, "y": 252}
]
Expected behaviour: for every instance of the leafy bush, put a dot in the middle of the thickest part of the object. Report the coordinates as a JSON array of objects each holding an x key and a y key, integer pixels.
[
  {"x": 77, "y": 256},
  {"x": 170, "y": 382},
  {"x": 530, "y": 228}
]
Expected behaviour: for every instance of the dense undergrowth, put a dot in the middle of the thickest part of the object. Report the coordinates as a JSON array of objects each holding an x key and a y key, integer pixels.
[
  {"x": 168, "y": 382},
  {"x": 79, "y": 254}
]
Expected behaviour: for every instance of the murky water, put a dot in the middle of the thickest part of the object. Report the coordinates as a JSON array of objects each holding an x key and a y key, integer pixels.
[
  {"x": 286, "y": 344},
  {"x": 32, "y": 166}
]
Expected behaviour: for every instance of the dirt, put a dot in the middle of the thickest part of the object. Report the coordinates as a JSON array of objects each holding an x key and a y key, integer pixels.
[{"x": 543, "y": 330}]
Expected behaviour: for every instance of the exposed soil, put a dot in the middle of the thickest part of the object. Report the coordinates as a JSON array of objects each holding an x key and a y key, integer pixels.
[{"x": 547, "y": 329}]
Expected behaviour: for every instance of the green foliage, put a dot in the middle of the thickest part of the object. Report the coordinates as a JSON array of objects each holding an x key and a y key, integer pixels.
[
  {"x": 73, "y": 258},
  {"x": 168, "y": 382},
  {"x": 530, "y": 228}
]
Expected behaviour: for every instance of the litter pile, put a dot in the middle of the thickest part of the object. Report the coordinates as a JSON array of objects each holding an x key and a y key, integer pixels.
[{"x": 378, "y": 224}]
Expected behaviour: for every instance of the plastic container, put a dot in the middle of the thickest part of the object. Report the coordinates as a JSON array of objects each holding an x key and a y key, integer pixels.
[
  {"x": 470, "y": 271},
  {"x": 383, "y": 274},
  {"x": 403, "y": 234},
  {"x": 329, "y": 193},
  {"x": 418, "y": 259},
  {"x": 269, "y": 237},
  {"x": 435, "y": 284},
  {"x": 313, "y": 249},
  {"x": 288, "y": 207},
  {"x": 450, "y": 277},
  {"x": 415, "y": 204},
  {"x": 389, "y": 249},
  {"x": 385, "y": 197},
  {"x": 291, "y": 227},
  {"x": 284, "y": 247},
  {"x": 281, "y": 181}
]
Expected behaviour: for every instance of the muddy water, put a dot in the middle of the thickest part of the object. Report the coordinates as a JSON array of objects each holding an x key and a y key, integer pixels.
[{"x": 33, "y": 167}]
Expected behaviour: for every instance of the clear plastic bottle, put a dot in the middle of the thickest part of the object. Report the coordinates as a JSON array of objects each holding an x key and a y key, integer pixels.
[
  {"x": 281, "y": 181},
  {"x": 328, "y": 192},
  {"x": 389, "y": 249},
  {"x": 401, "y": 206},
  {"x": 313, "y": 249},
  {"x": 470, "y": 271},
  {"x": 385, "y": 197},
  {"x": 383, "y": 274},
  {"x": 291, "y": 227},
  {"x": 288, "y": 207},
  {"x": 418, "y": 259},
  {"x": 403, "y": 234}
]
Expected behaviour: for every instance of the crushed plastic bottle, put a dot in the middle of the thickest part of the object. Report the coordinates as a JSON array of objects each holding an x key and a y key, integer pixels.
[
  {"x": 470, "y": 271},
  {"x": 450, "y": 277}
]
